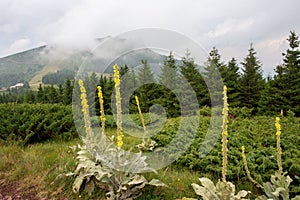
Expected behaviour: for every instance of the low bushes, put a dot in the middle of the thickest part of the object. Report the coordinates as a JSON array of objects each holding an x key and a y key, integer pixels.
[{"x": 31, "y": 123}]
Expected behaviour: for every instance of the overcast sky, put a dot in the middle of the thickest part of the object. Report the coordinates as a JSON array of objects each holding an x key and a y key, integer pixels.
[{"x": 230, "y": 25}]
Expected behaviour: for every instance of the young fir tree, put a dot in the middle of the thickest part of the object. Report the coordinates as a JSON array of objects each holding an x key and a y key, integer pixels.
[
  {"x": 128, "y": 86},
  {"x": 190, "y": 74},
  {"x": 169, "y": 84},
  {"x": 252, "y": 82},
  {"x": 146, "y": 86},
  {"x": 213, "y": 67},
  {"x": 231, "y": 77},
  {"x": 67, "y": 92},
  {"x": 40, "y": 96},
  {"x": 287, "y": 78}
]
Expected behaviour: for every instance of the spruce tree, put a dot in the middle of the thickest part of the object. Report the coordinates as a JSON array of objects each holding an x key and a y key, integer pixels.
[
  {"x": 213, "y": 79},
  {"x": 287, "y": 78},
  {"x": 67, "y": 92},
  {"x": 190, "y": 73},
  {"x": 40, "y": 96},
  {"x": 231, "y": 77},
  {"x": 128, "y": 86},
  {"x": 252, "y": 82},
  {"x": 146, "y": 86},
  {"x": 169, "y": 85}
]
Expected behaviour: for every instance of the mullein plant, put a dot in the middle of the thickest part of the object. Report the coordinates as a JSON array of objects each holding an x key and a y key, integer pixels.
[
  {"x": 105, "y": 165},
  {"x": 119, "y": 107},
  {"x": 223, "y": 189},
  {"x": 278, "y": 188},
  {"x": 102, "y": 114},
  {"x": 147, "y": 144}
]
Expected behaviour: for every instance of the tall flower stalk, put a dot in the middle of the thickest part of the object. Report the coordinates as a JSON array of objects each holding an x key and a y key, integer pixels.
[
  {"x": 140, "y": 113},
  {"x": 224, "y": 134},
  {"x": 247, "y": 169},
  {"x": 119, "y": 108},
  {"x": 85, "y": 109},
  {"x": 102, "y": 115},
  {"x": 278, "y": 147}
]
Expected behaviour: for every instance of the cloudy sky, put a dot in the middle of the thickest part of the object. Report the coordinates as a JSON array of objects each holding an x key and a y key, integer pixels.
[{"x": 230, "y": 25}]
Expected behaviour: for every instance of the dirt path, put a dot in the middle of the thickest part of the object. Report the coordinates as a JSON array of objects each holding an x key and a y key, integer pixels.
[{"x": 13, "y": 191}]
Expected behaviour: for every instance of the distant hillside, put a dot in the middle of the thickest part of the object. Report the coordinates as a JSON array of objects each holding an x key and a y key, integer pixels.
[
  {"x": 20, "y": 67},
  {"x": 32, "y": 65}
]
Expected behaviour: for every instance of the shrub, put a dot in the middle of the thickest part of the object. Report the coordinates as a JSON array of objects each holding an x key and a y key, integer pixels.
[{"x": 31, "y": 123}]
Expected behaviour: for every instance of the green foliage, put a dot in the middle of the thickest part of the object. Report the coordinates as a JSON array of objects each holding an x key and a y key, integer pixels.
[
  {"x": 191, "y": 72},
  {"x": 20, "y": 67},
  {"x": 169, "y": 79},
  {"x": 205, "y": 111},
  {"x": 255, "y": 132},
  {"x": 252, "y": 81},
  {"x": 213, "y": 80},
  {"x": 31, "y": 123},
  {"x": 284, "y": 90},
  {"x": 243, "y": 112},
  {"x": 231, "y": 78},
  {"x": 58, "y": 77}
]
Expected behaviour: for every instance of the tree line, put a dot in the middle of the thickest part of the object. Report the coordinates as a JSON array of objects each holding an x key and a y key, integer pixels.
[{"x": 246, "y": 85}]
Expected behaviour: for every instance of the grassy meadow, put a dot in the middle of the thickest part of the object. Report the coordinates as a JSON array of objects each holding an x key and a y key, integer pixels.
[{"x": 38, "y": 165}]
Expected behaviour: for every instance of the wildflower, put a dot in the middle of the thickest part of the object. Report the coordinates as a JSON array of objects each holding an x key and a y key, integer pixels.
[
  {"x": 277, "y": 125},
  {"x": 102, "y": 117},
  {"x": 140, "y": 112},
  {"x": 278, "y": 147},
  {"x": 85, "y": 108},
  {"x": 118, "y": 105},
  {"x": 247, "y": 169},
  {"x": 224, "y": 134}
]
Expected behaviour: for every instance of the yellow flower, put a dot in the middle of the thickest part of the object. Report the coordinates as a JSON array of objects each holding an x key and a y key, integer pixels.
[
  {"x": 85, "y": 108},
  {"x": 243, "y": 152},
  {"x": 278, "y": 126},
  {"x": 100, "y": 95},
  {"x": 278, "y": 147},
  {"x": 116, "y": 75},
  {"x": 247, "y": 169},
  {"x": 140, "y": 113},
  {"x": 224, "y": 134},
  {"x": 119, "y": 108}
]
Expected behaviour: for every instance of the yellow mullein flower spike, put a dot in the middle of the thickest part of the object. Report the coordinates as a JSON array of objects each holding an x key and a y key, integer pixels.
[
  {"x": 247, "y": 169},
  {"x": 102, "y": 115},
  {"x": 140, "y": 113},
  {"x": 119, "y": 108},
  {"x": 224, "y": 134},
  {"x": 278, "y": 126},
  {"x": 278, "y": 147},
  {"x": 85, "y": 108}
]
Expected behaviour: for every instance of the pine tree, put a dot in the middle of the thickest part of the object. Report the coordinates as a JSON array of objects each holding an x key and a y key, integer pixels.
[
  {"x": 40, "y": 96},
  {"x": 191, "y": 74},
  {"x": 169, "y": 85},
  {"x": 287, "y": 78},
  {"x": 147, "y": 87},
  {"x": 67, "y": 92},
  {"x": 252, "y": 81},
  {"x": 213, "y": 78},
  {"x": 231, "y": 77},
  {"x": 128, "y": 87}
]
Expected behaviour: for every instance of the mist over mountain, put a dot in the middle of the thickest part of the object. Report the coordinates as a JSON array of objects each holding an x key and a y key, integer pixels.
[{"x": 32, "y": 65}]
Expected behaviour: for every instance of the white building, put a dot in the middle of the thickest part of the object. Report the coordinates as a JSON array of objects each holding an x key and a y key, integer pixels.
[{"x": 18, "y": 85}]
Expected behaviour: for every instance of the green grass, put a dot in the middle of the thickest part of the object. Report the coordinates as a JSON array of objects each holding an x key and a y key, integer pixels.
[{"x": 38, "y": 166}]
